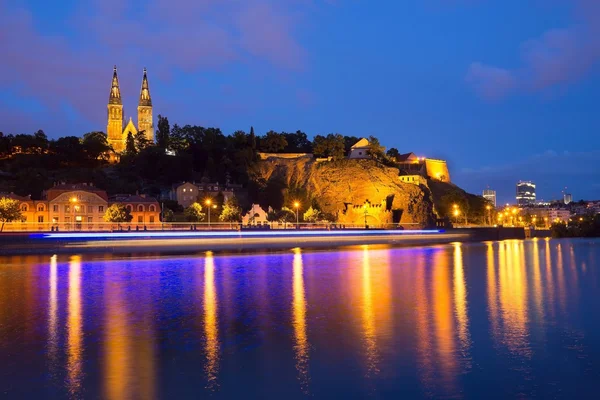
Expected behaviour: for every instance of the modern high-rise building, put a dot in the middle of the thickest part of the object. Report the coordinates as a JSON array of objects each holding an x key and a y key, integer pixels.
[
  {"x": 567, "y": 198},
  {"x": 490, "y": 195},
  {"x": 525, "y": 193}
]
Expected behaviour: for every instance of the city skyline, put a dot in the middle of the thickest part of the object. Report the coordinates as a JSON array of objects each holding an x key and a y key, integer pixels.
[{"x": 284, "y": 66}]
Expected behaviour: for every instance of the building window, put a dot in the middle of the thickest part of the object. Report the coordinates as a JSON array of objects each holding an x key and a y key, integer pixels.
[
  {"x": 360, "y": 153},
  {"x": 140, "y": 219},
  {"x": 90, "y": 220},
  {"x": 90, "y": 209},
  {"x": 129, "y": 208},
  {"x": 23, "y": 207},
  {"x": 152, "y": 208},
  {"x": 67, "y": 209},
  {"x": 152, "y": 219},
  {"x": 55, "y": 208},
  {"x": 140, "y": 208},
  {"x": 184, "y": 190},
  {"x": 40, "y": 218},
  {"x": 100, "y": 208},
  {"x": 40, "y": 207},
  {"x": 55, "y": 220},
  {"x": 67, "y": 220}
]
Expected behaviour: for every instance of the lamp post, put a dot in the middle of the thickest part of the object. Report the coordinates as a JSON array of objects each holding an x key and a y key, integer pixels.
[
  {"x": 296, "y": 206},
  {"x": 489, "y": 214},
  {"x": 366, "y": 212},
  {"x": 74, "y": 201},
  {"x": 162, "y": 215},
  {"x": 208, "y": 203}
]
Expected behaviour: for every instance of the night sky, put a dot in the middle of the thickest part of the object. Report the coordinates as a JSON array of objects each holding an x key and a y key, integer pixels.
[{"x": 504, "y": 90}]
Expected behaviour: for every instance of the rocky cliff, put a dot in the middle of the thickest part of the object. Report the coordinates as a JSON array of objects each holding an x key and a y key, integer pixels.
[{"x": 335, "y": 185}]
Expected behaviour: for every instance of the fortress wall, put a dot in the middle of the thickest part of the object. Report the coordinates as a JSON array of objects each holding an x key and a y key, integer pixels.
[{"x": 437, "y": 169}]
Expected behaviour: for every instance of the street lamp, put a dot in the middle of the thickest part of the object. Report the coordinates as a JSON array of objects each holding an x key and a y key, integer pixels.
[
  {"x": 296, "y": 206},
  {"x": 74, "y": 201},
  {"x": 208, "y": 202},
  {"x": 366, "y": 212}
]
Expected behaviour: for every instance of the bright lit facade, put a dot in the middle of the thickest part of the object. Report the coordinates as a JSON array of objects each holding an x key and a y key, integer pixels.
[
  {"x": 525, "y": 193},
  {"x": 116, "y": 135},
  {"x": 567, "y": 198},
  {"x": 490, "y": 195}
]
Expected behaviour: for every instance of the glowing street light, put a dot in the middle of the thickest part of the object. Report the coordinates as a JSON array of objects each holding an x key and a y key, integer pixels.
[
  {"x": 208, "y": 202},
  {"x": 297, "y": 206}
]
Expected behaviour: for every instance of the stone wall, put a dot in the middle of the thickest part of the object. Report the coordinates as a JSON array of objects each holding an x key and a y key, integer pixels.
[{"x": 437, "y": 169}]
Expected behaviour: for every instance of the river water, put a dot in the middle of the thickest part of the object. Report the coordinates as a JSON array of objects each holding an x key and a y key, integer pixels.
[{"x": 484, "y": 320}]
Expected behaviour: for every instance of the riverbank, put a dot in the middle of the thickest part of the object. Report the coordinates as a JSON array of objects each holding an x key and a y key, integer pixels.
[{"x": 192, "y": 242}]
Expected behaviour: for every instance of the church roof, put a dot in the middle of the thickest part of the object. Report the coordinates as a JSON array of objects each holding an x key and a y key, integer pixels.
[
  {"x": 115, "y": 91},
  {"x": 145, "y": 99},
  {"x": 362, "y": 143},
  {"x": 130, "y": 127}
]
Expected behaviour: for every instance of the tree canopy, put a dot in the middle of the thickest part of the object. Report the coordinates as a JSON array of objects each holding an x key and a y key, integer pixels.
[
  {"x": 117, "y": 213},
  {"x": 194, "y": 213},
  {"x": 9, "y": 211}
]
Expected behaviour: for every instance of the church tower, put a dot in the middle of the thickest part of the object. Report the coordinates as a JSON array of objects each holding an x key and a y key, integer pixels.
[
  {"x": 114, "y": 129},
  {"x": 145, "y": 110}
]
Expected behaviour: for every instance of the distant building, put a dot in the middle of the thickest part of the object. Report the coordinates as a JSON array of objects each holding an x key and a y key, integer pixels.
[
  {"x": 525, "y": 193},
  {"x": 360, "y": 150},
  {"x": 187, "y": 193},
  {"x": 144, "y": 209},
  {"x": 490, "y": 195},
  {"x": 559, "y": 215},
  {"x": 256, "y": 216},
  {"x": 567, "y": 198}
]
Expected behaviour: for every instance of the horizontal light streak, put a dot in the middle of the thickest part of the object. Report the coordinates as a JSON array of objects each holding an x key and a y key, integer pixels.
[{"x": 230, "y": 234}]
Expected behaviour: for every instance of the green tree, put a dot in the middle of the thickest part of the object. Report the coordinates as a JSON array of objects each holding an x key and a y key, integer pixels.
[
  {"x": 164, "y": 132},
  {"x": 194, "y": 213},
  {"x": 273, "y": 142},
  {"x": 9, "y": 211},
  {"x": 331, "y": 145},
  {"x": 141, "y": 141},
  {"x": 232, "y": 212},
  {"x": 117, "y": 213},
  {"x": 376, "y": 150},
  {"x": 312, "y": 215},
  {"x": 95, "y": 145},
  {"x": 130, "y": 148},
  {"x": 168, "y": 215},
  {"x": 252, "y": 139},
  {"x": 393, "y": 153}
]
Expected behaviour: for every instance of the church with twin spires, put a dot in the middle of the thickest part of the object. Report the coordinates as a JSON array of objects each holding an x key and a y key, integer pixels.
[{"x": 116, "y": 134}]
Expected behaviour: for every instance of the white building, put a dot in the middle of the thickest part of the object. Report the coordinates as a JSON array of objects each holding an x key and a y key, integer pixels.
[
  {"x": 256, "y": 216},
  {"x": 559, "y": 215},
  {"x": 360, "y": 150},
  {"x": 490, "y": 195}
]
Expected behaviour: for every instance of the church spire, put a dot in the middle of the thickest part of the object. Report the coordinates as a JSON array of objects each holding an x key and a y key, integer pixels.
[
  {"x": 115, "y": 92},
  {"x": 145, "y": 99}
]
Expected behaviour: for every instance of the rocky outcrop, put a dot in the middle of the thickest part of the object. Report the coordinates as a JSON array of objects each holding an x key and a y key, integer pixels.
[{"x": 336, "y": 185}]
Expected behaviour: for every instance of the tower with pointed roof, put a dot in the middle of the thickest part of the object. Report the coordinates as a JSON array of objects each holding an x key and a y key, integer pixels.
[
  {"x": 145, "y": 122},
  {"x": 114, "y": 129}
]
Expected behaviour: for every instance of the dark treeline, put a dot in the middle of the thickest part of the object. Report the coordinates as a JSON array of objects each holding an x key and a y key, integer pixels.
[
  {"x": 581, "y": 226},
  {"x": 30, "y": 163}
]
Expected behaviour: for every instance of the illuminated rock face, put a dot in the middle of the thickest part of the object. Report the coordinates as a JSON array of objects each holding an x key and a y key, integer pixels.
[{"x": 338, "y": 186}]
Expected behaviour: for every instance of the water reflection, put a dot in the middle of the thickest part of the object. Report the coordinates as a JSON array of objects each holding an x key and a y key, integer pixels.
[
  {"x": 469, "y": 317},
  {"x": 512, "y": 282},
  {"x": 368, "y": 316},
  {"x": 53, "y": 314},
  {"x": 118, "y": 340},
  {"x": 211, "y": 330},
  {"x": 460, "y": 301},
  {"x": 301, "y": 347},
  {"x": 74, "y": 326}
]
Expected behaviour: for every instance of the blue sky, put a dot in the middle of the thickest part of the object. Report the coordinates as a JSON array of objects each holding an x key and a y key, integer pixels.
[{"x": 504, "y": 90}]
